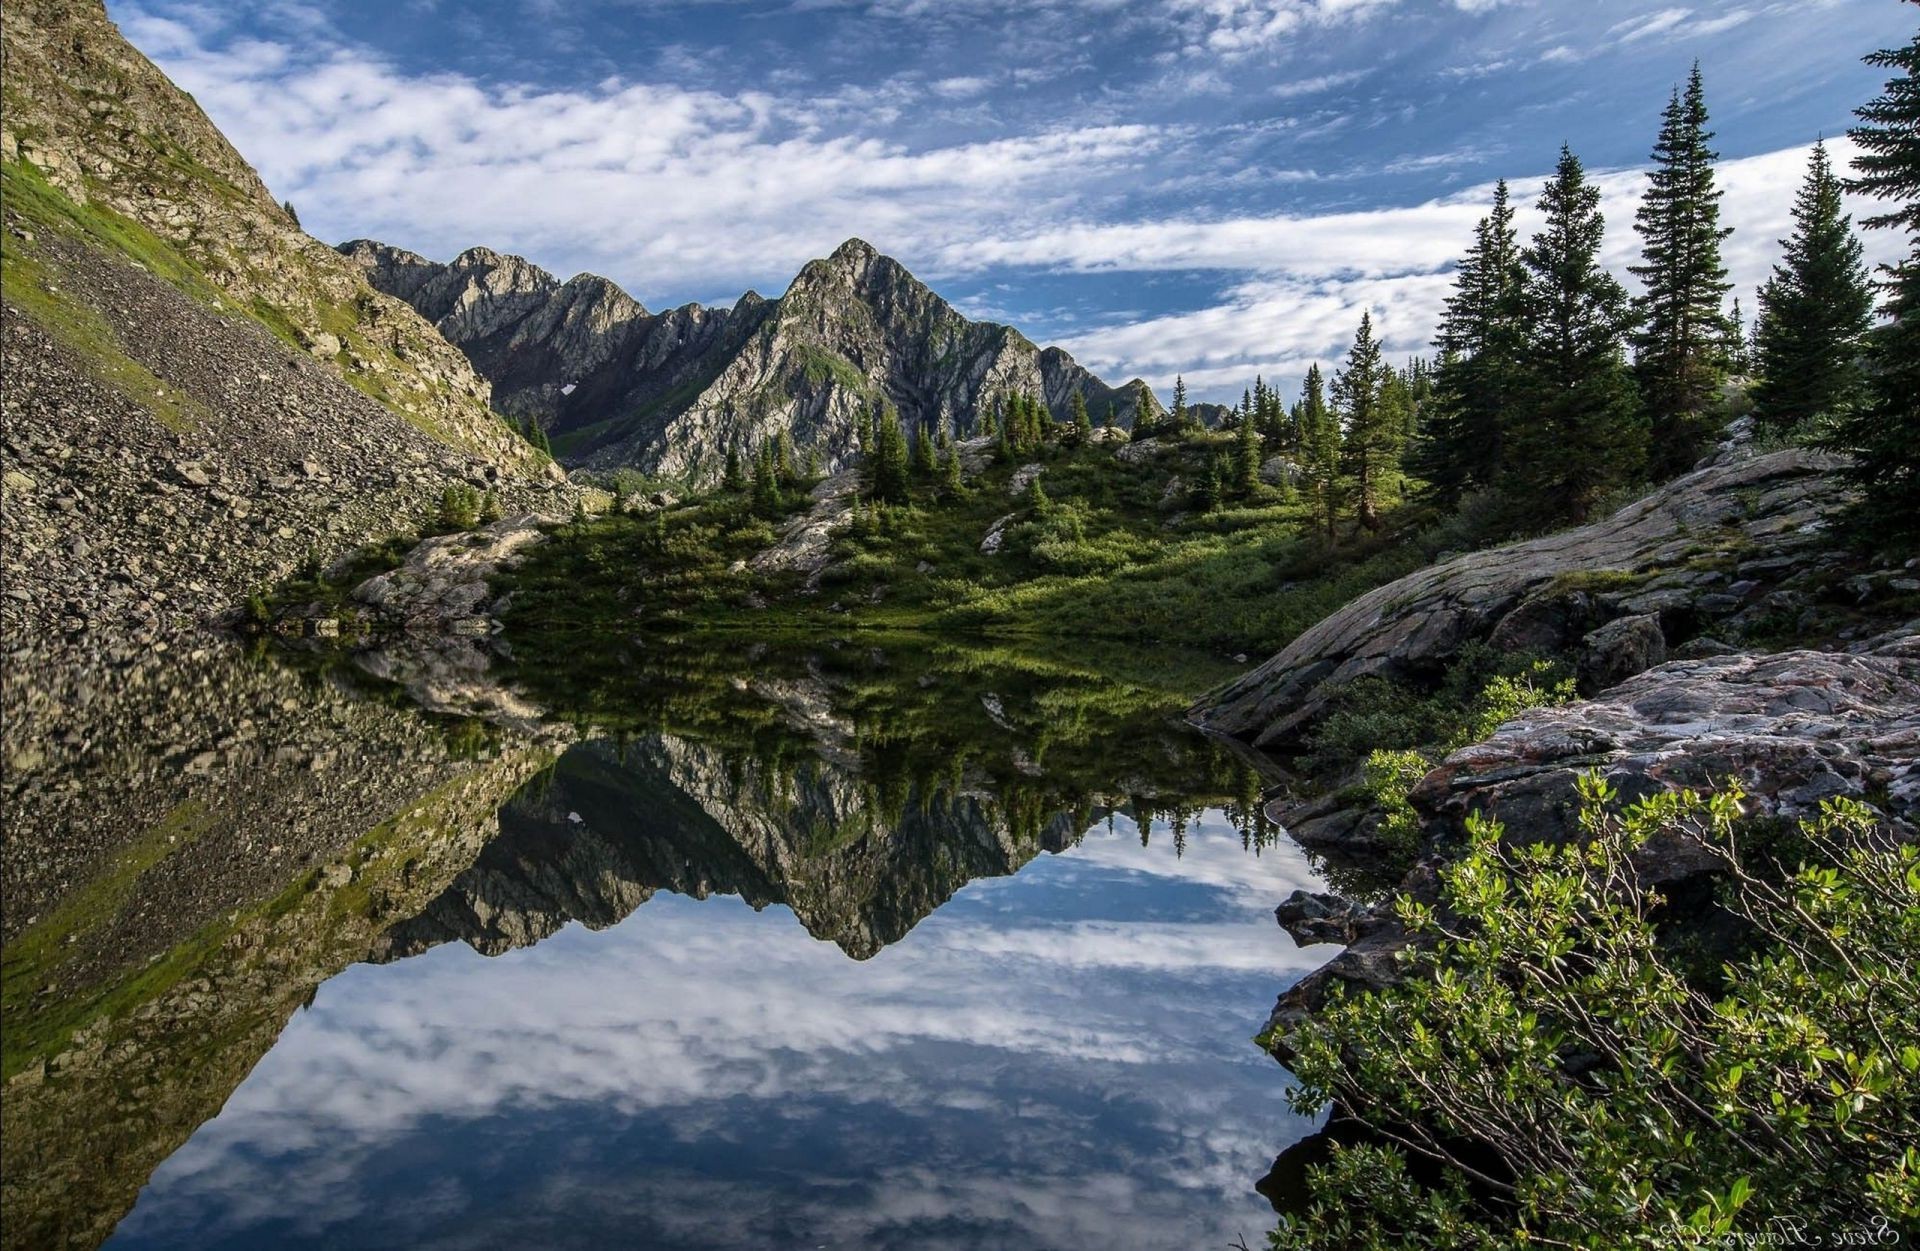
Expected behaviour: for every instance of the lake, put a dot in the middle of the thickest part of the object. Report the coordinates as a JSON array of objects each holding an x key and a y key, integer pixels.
[{"x": 755, "y": 944}]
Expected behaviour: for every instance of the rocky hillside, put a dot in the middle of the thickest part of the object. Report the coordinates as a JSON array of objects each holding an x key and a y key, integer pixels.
[
  {"x": 199, "y": 397},
  {"x": 1731, "y": 553},
  {"x": 668, "y": 393}
]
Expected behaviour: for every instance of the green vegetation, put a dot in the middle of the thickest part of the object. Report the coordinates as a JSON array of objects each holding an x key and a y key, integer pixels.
[
  {"x": 1554, "y": 1070},
  {"x": 1883, "y": 433},
  {"x": 33, "y": 285},
  {"x": 1096, "y": 548}
]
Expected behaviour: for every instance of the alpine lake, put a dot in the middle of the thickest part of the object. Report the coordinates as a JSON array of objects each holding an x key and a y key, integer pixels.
[{"x": 699, "y": 942}]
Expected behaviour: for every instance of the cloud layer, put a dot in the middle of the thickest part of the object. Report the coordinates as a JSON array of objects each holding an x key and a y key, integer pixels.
[{"x": 1207, "y": 187}]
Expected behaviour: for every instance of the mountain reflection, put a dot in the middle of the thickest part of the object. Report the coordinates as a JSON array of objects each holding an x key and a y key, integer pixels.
[
  {"x": 1056, "y": 899},
  {"x": 1056, "y": 1059}
]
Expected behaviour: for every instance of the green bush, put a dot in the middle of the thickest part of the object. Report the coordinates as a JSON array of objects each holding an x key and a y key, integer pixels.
[{"x": 1572, "y": 1087}]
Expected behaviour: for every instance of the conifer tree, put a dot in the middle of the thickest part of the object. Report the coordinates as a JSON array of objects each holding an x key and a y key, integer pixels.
[
  {"x": 1681, "y": 342},
  {"x": 1371, "y": 432},
  {"x": 733, "y": 477},
  {"x": 1319, "y": 441},
  {"x": 1462, "y": 442},
  {"x": 1113, "y": 415},
  {"x": 1815, "y": 311},
  {"x": 924, "y": 462},
  {"x": 1204, "y": 495},
  {"x": 766, "y": 481},
  {"x": 1082, "y": 419},
  {"x": 1246, "y": 463},
  {"x": 1143, "y": 417},
  {"x": 890, "y": 468},
  {"x": 1739, "y": 358},
  {"x": 1179, "y": 416},
  {"x": 1581, "y": 433},
  {"x": 786, "y": 461},
  {"x": 952, "y": 485},
  {"x": 1883, "y": 433},
  {"x": 989, "y": 427}
]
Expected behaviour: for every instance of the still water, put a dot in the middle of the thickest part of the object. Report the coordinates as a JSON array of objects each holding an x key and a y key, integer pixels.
[{"x": 846, "y": 977}]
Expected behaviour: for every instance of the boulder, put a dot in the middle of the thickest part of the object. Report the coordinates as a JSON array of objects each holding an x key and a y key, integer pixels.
[{"x": 1621, "y": 649}]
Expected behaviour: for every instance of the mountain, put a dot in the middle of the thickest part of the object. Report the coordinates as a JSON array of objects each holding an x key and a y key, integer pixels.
[
  {"x": 199, "y": 396},
  {"x": 669, "y": 392}
]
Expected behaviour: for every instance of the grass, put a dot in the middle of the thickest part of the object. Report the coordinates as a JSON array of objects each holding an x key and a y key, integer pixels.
[
  {"x": 1110, "y": 555},
  {"x": 35, "y": 958}
]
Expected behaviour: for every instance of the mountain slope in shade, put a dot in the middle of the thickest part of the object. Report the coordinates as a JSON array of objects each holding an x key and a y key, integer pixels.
[
  {"x": 670, "y": 392},
  {"x": 106, "y": 128}
]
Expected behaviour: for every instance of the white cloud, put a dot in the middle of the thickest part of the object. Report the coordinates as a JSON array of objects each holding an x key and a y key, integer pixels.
[{"x": 650, "y": 184}]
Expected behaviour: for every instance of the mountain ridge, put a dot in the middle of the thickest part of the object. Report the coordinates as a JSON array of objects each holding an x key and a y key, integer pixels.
[{"x": 670, "y": 392}]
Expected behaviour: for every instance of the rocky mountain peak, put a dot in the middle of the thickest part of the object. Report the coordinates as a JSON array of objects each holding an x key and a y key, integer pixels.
[{"x": 671, "y": 392}]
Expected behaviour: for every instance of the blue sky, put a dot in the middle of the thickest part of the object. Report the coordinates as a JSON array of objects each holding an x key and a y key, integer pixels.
[{"x": 1211, "y": 187}]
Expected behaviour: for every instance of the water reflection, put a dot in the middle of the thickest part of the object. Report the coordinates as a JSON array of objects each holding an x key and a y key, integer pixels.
[
  {"x": 897, "y": 945},
  {"x": 1053, "y": 1059}
]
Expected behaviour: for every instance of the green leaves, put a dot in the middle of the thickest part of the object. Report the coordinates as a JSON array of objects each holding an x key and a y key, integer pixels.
[{"x": 1544, "y": 1026}]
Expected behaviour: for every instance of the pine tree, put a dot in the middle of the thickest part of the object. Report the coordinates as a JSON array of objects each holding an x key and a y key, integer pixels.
[
  {"x": 1319, "y": 441},
  {"x": 1815, "y": 311},
  {"x": 785, "y": 460},
  {"x": 766, "y": 481},
  {"x": 1883, "y": 434},
  {"x": 1204, "y": 495},
  {"x": 924, "y": 462},
  {"x": 734, "y": 477},
  {"x": 889, "y": 469},
  {"x": 952, "y": 484},
  {"x": 1461, "y": 445},
  {"x": 1113, "y": 415},
  {"x": 1143, "y": 415},
  {"x": 1179, "y": 417},
  {"x": 1082, "y": 419},
  {"x": 989, "y": 427},
  {"x": 1246, "y": 461},
  {"x": 1372, "y": 434},
  {"x": 1581, "y": 432},
  {"x": 1739, "y": 358},
  {"x": 1680, "y": 345}
]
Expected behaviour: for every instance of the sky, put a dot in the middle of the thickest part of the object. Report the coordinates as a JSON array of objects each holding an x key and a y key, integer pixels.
[
  {"x": 1057, "y": 1058},
  {"x": 1208, "y": 188}
]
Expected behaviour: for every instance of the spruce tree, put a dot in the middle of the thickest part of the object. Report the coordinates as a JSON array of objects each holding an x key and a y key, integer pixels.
[
  {"x": 952, "y": 485},
  {"x": 733, "y": 477},
  {"x": 1883, "y": 433},
  {"x": 1319, "y": 441},
  {"x": 924, "y": 462},
  {"x": 1680, "y": 345},
  {"x": 766, "y": 481},
  {"x": 1179, "y": 416},
  {"x": 1082, "y": 419},
  {"x": 786, "y": 460},
  {"x": 1815, "y": 311},
  {"x": 1143, "y": 417},
  {"x": 1246, "y": 463},
  {"x": 1372, "y": 433},
  {"x": 1580, "y": 433},
  {"x": 890, "y": 468},
  {"x": 1461, "y": 446}
]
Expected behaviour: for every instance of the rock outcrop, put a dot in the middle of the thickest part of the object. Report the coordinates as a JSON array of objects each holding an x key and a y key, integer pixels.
[
  {"x": 1734, "y": 542},
  {"x": 1792, "y": 729},
  {"x": 669, "y": 393}
]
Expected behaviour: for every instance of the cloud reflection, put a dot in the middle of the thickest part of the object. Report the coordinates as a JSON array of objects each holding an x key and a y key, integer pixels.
[{"x": 1035, "y": 1065}]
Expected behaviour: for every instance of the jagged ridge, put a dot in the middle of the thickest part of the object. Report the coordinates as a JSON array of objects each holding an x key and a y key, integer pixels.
[{"x": 670, "y": 392}]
